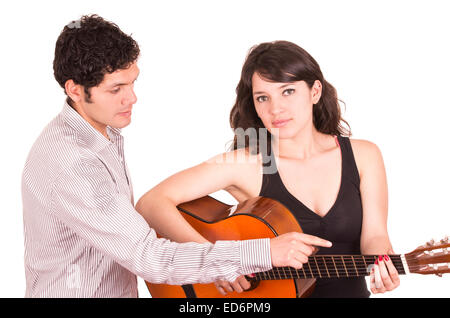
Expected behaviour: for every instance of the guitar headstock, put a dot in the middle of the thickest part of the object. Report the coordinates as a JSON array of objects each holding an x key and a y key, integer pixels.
[{"x": 430, "y": 258}]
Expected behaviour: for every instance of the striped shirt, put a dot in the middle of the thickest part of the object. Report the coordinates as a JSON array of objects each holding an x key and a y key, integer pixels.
[{"x": 83, "y": 237}]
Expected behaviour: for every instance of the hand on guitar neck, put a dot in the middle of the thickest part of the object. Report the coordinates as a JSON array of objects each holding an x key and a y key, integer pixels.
[{"x": 293, "y": 249}]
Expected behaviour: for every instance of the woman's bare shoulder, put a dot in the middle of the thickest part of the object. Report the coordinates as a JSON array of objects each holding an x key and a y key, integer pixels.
[
  {"x": 238, "y": 158},
  {"x": 366, "y": 153},
  {"x": 242, "y": 168},
  {"x": 363, "y": 145}
]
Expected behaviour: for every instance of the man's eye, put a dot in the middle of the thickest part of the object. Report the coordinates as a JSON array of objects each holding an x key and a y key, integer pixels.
[
  {"x": 261, "y": 99},
  {"x": 288, "y": 91},
  {"x": 116, "y": 90}
]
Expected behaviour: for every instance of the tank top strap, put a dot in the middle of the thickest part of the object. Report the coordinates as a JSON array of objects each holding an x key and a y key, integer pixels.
[
  {"x": 349, "y": 167},
  {"x": 269, "y": 172}
]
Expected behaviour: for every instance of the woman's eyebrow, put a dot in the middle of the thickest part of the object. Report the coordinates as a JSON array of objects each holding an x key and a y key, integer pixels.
[
  {"x": 284, "y": 85},
  {"x": 259, "y": 92},
  {"x": 280, "y": 87}
]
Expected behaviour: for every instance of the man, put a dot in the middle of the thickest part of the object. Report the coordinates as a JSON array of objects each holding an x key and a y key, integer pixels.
[{"x": 83, "y": 237}]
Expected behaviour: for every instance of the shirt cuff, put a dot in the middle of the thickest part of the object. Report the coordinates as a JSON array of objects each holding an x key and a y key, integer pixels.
[{"x": 255, "y": 256}]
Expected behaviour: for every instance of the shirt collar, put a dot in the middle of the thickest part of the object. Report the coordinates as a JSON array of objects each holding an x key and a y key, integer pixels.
[{"x": 87, "y": 134}]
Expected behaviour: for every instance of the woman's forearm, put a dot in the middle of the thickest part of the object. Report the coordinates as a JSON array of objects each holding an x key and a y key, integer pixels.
[
  {"x": 378, "y": 245},
  {"x": 163, "y": 216}
]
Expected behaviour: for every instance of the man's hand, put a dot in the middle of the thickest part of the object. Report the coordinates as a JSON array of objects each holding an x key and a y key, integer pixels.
[{"x": 292, "y": 249}]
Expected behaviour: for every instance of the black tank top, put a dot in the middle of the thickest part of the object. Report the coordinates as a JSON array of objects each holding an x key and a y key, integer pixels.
[{"x": 341, "y": 225}]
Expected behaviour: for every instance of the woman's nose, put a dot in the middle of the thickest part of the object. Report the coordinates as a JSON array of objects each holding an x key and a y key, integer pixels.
[{"x": 275, "y": 107}]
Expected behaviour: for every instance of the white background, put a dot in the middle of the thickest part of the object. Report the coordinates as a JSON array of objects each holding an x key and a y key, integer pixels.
[{"x": 389, "y": 61}]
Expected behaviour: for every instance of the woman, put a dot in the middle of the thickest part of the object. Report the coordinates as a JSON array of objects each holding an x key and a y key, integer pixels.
[{"x": 335, "y": 187}]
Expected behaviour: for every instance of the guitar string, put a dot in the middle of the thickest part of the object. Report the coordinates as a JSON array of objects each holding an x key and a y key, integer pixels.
[
  {"x": 308, "y": 275},
  {"x": 313, "y": 274},
  {"x": 333, "y": 272},
  {"x": 345, "y": 269},
  {"x": 292, "y": 272}
]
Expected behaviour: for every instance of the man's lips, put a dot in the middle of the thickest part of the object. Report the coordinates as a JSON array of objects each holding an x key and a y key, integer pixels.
[{"x": 125, "y": 113}]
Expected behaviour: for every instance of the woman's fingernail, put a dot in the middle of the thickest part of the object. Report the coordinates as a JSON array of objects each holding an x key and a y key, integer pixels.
[
  {"x": 386, "y": 258},
  {"x": 376, "y": 261},
  {"x": 380, "y": 258}
]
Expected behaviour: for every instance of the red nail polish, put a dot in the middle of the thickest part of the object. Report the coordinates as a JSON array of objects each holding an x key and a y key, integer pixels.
[
  {"x": 376, "y": 261},
  {"x": 386, "y": 258},
  {"x": 380, "y": 258}
]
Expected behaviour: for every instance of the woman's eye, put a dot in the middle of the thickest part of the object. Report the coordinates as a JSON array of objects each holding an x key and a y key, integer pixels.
[
  {"x": 261, "y": 99},
  {"x": 288, "y": 91}
]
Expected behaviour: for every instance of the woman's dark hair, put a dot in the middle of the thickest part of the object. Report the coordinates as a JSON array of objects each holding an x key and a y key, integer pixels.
[
  {"x": 284, "y": 62},
  {"x": 89, "y": 48}
]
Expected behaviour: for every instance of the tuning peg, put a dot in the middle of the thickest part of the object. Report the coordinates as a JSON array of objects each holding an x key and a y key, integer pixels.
[
  {"x": 444, "y": 240},
  {"x": 430, "y": 243},
  {"x": 439, "y": 274}
]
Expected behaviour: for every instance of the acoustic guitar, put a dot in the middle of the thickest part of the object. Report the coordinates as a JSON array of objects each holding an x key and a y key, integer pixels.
[{"x": 262, "y": 217}]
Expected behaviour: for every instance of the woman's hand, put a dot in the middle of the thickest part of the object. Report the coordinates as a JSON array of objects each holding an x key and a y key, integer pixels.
[{"x": 383, "y": 276}]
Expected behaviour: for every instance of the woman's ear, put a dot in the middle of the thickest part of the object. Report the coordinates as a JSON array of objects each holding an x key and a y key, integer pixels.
[{"x": 316, "y": 91}]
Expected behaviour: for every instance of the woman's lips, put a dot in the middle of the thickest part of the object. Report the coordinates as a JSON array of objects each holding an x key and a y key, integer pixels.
[{"x": 280, "y": 123}]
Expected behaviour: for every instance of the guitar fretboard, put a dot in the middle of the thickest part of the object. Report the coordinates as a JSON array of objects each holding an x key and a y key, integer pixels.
[{"x": 330, "y": 266}]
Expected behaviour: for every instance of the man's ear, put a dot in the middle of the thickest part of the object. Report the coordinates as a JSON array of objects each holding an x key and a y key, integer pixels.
[{"x": 73, "y": 90}]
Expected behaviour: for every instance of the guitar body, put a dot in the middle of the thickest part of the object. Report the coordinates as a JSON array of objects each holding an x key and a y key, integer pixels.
[{"x": 255, "y": 218}]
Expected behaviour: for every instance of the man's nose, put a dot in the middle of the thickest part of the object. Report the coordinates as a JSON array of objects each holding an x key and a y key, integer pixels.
[{"x": 131, "y": 97}]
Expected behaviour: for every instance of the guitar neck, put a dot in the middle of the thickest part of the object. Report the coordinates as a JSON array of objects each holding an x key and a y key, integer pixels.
[{"x": 332, "y": 266}]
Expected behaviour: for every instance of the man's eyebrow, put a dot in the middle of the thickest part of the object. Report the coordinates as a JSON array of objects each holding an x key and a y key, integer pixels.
[
  {"x": 121, "y": 83},
  {"x": 116, "y": 84}
]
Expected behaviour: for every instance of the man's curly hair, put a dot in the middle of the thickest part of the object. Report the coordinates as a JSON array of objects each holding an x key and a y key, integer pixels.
[{"x": 89, "y": 48}]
